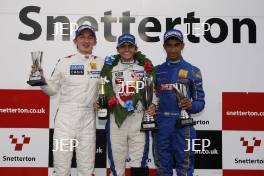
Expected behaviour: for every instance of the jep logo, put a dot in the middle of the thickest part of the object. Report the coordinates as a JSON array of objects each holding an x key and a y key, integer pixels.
[
  {"x": 250, "y": 148},
  {"x": 19, "y": 146}
]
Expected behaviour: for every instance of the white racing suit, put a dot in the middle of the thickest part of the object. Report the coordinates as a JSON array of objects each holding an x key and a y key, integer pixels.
[
  {"x": 77, "y": 78},
  {"x": 127, "y": 141}
]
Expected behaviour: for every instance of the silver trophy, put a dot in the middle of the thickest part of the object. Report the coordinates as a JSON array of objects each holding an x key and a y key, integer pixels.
[
  {"x": 181, "y": 93},
  {"x": 148, "y": 122},
  {"x": 36, "y": 79}
]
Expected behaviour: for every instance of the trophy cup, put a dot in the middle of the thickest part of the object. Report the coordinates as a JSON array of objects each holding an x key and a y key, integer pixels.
[
  {"x": 181, "y": 93},
  {"x": 36, "y": 79},
  {"x": 148, "y": 122},
  {"x": 102, "y": 112}
]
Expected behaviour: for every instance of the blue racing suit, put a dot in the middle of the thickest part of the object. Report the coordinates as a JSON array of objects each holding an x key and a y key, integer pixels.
[{"x": 171, "y": 142}]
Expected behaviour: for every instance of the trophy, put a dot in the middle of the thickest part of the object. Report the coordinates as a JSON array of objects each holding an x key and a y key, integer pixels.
[
  {"x": 148, "y": 122},
  {"x": 102, "y": 112},
  {"x": 181, "y": 93},
  {"x": 36, "y": 79}
]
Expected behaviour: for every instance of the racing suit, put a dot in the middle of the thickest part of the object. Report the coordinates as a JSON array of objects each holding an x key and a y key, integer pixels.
[
  {"x": 77, "y": 78},
  {"x": 169, "y": 141},
  {"x": 127, "y": 141}
]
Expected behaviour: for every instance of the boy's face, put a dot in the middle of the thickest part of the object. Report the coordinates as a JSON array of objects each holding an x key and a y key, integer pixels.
[
  {"x": 127, "y": 51},
  {"x": 173, "y": 48},
  {"x": 85, "y": 42}
]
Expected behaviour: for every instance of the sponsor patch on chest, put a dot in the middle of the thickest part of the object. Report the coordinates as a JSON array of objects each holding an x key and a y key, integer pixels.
[
  {"x": 166, "y": 87},
  {"x": 94, "y": 74},
  {"x": 182, "y": 74},
  {"x": 76, "y": 69},
  {"x": 119, "y": 74},
  {"x": 137, "y": 75}
]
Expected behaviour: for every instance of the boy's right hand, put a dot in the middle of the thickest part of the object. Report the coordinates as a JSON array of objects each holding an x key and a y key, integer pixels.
[{"x": 96, "y": 106}]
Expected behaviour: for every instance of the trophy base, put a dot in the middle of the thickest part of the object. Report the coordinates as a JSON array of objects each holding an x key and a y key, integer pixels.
[
  {"x": 149, "y": 126},
  {"x": 103, "y": 118},
  {"x": 36, "y": 83},
  {"x": 181, "y": 123}
]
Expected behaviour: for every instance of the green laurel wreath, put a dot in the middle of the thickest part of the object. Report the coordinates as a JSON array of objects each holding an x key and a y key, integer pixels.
[{"x": 120, "y": 112}]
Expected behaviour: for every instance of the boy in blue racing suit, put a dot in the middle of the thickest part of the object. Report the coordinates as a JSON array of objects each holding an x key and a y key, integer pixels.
[{"x": 172, "y": 141}]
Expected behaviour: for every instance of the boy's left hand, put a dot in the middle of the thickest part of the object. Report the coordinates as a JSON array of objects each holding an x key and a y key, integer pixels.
[
  {"x": 186, "y": 104},
  {"x": 151, "y": 110}
]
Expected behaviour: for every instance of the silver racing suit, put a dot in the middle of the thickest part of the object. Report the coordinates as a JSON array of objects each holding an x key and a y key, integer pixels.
[{"x": 76, "y": 78}]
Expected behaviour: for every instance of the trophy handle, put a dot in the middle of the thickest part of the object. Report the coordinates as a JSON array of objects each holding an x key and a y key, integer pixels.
[
  {"x": 32, "y": 57},
  {"x": 40, "y": 58},
  {"x": 181, "y": 91}
]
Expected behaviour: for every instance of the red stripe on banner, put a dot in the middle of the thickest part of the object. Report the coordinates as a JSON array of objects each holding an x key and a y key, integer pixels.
[
  {"x": 108, "y": 171},
  {"x": 24, "y": 171},
  {"x": 152, "y": 172},
  {"x": 24, "y": 109},
  {"x": 242, "y": 111},
  {"x": 243, "y": 172}
]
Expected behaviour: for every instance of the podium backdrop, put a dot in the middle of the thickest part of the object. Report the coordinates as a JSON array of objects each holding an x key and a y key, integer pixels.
[{"x": 225, "y": 39}]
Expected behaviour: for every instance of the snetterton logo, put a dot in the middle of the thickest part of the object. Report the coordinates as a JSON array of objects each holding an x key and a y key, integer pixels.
[
  {"x": 19, "y": 146},
  {"x": 252, "y": 156},
  {"x": 23, "y": 147},
  {"x": 250, "y": 148},
  {"x": 243, "y": 111},
  {"x": 24, "y": 109},
  {"x": 145, "y": 26}
]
